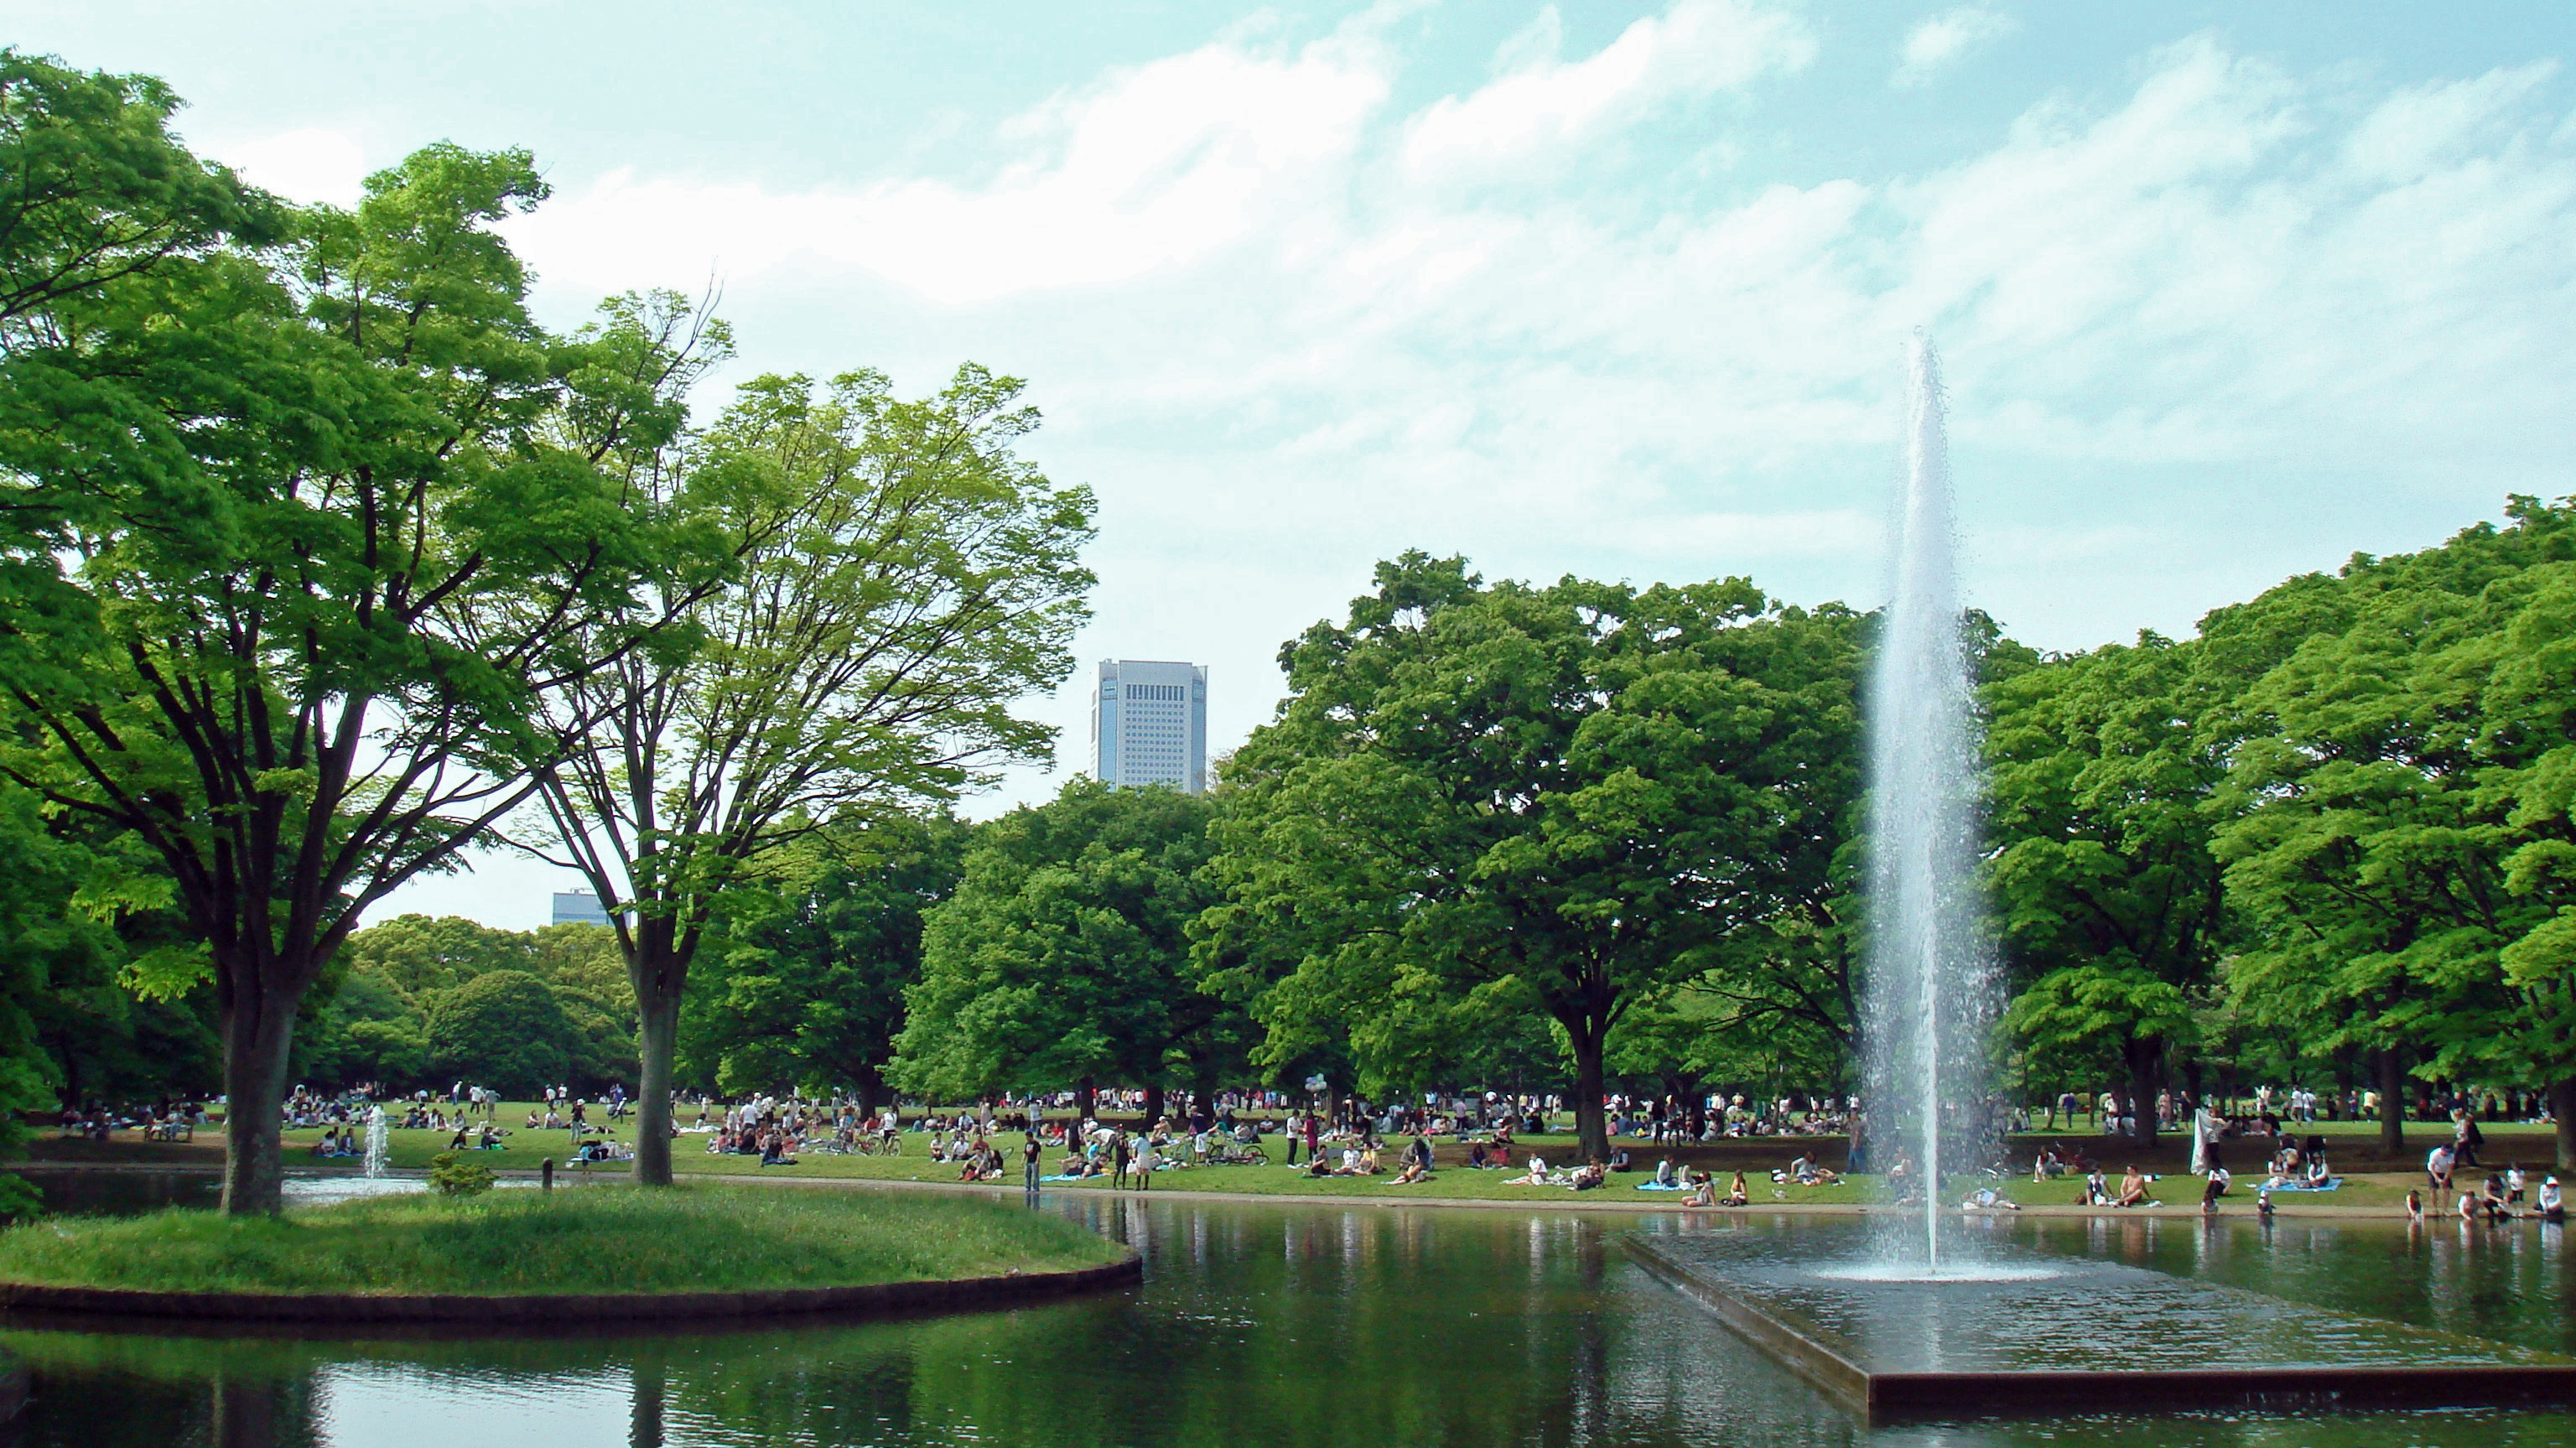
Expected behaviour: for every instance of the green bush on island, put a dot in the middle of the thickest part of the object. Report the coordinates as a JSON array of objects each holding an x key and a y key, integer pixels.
[{"x": 593, "y": 1239}]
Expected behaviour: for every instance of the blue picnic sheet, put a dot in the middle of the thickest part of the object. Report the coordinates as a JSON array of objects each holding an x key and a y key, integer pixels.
[
  {"x": 1662, "y": 1187},
  {"x": 2278, "y": 1184}
]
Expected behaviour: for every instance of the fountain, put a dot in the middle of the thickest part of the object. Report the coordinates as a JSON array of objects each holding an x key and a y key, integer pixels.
[
  {"x": 376, "y": 1139},
  {"x": 1929, "y": 987},
  {"x": 1908, "y": 1324}
]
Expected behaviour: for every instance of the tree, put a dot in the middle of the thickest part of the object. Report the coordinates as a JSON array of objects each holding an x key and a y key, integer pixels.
[
  {"x": 902, "y": 580},
  {"x": 1566, "y": 799},
  {"x": 344, "y": 514},
  {"x": 2100, "y": 776},
  {"x": 504, "y": 1029},
  {"x": 1063, "y": 958},
  {"x": 807, "y": 984},
  {"x": 2400, "y": 821}
]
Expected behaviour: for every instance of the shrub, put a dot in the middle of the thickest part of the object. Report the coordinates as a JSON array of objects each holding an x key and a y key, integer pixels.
[{"x": 452, "y": 1174}]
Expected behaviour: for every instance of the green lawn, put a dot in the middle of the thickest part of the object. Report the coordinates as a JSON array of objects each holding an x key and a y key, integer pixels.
[
  {"x": 524, "y": 1149},
  {"x": 697, "y": 1238}
]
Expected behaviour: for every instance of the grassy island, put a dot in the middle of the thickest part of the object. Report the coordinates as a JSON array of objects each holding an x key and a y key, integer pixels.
[{"x": 594, "y": 1239}]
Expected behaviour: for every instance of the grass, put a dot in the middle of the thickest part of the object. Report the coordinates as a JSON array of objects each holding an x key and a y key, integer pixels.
[
  {"x": 692, "y": 1238},
  {"x": 524, "y": 1149}
]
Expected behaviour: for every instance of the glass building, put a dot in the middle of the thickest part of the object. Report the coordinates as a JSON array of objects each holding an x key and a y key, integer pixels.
[
  {"x": 1149, "y": 724},
  {"x": 578, "y": 907}
]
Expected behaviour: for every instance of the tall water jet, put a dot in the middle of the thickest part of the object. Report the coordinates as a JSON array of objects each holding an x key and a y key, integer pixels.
[
  {"x": 1929, "y": 992},
  {"x": 377, "y": 1142}
]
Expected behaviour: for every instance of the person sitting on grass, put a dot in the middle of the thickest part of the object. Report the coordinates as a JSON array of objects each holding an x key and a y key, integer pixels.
[
  {"x": 1319, "y": 1165},
  {"x": 1987, "y": 1199},
  {"x": 1737, "y": 1194},
  {"x": 1535, "y": 1177},
  {"x": 1664, "y": 1176},
  {"x": 1415, "y": 1170},
  {"x": 2133, "y": 1189},
  {"x": 1703, "y": 1190},
  {"x": 1588, "y": 1176},
  {"x": 773, "y": 1152}
]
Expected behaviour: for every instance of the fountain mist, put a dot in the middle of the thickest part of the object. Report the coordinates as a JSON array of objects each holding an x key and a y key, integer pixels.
[{"x": 1930, "y": 989}]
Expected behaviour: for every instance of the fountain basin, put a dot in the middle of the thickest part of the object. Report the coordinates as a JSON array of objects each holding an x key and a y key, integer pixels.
[{"x": 2015, "y": 1337}]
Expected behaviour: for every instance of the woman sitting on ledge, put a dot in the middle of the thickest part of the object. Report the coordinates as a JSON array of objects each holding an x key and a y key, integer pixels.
[
  {"x": 1703, "y": 1190},
  {"x": 1737, "y": 1194}
]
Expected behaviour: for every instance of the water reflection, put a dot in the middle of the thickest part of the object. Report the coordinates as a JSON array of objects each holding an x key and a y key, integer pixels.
[{"x": 1255, "y": 1325}]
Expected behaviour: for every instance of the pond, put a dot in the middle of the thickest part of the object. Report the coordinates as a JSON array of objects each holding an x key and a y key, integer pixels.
[{"x": 1264, "y": 1325}]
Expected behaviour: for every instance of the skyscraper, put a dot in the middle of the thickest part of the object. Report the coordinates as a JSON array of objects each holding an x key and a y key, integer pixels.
[
  {"x": 578, "y": 907},
  {"x": 1149, "y": 724}
]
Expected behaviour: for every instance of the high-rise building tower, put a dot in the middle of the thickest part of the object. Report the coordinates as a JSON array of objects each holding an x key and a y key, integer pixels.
[
  {"x": 1149, "y": 724},
  {"x": 579, "y": 907}
]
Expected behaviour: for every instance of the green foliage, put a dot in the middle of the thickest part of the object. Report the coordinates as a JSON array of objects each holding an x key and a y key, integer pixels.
[
  {"x": 1063, "y": 955},
  {"x": 807, "y": 984},
  {"x": 688, "y": 1240},
  {"x": 2100, "y": 774},
  {"x": 504, "y": 1029},
  {"x": 316, "y": 526},
  {"x": 901, "y": 580},
  {"x": 2402, "y": 821},
  {"x": 1493, "y": 798},
  {"x": 454, "y": 1174}
]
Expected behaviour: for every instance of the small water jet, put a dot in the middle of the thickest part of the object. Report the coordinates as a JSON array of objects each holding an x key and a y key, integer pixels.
[
  {"x": 1929, "y": 992},
  {"x": 377, "y": 1139}
]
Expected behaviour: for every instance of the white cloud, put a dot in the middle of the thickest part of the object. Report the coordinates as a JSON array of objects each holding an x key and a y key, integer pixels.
[
  {"x": 1949, "y": 36},
  {"x": 1696, "y": 48},
  {"x": 1151, "y": 168},
  {"x": 1280, "y": 355},
  {"x": 310, "y": 165}
]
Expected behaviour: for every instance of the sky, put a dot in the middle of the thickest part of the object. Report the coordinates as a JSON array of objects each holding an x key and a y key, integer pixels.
[{"x": 2224, "y": 293}]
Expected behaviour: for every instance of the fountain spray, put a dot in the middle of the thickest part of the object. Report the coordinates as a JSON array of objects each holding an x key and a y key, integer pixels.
[{"x": 1930, "y": 984}]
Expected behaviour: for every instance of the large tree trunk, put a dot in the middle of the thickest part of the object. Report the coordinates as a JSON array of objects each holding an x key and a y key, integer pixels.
[
  {"x": 657, "y": 1039},
  {"x": 259, "y": 1028},
  {"x": 2391, "y": 1064},
  {"x": 2145, "y": 1058},
  {"x": 1591, "y": 1128},
  {"x": 1086, "y": 1102},
  {"x": 2562, "y": 1109},
  {"x": 1153, "y": 1106}
]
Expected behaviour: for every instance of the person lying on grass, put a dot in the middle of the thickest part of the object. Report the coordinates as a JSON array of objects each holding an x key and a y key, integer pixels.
[
  {"x": 1987, "y": 1199},
  {"x": 1414, "y": 1171}
]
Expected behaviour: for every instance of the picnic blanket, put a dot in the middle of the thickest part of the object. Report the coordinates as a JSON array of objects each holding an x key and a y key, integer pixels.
[
  {"x": 2278, "y": 1184},
  {"x": 1662, "y": 1187}
]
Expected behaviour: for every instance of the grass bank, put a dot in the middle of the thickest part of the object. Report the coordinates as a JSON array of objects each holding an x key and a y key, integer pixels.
[{"x": 694, "y": 1238}]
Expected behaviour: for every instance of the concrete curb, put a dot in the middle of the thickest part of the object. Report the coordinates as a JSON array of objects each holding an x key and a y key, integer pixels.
[{"x": 882, "y": 1298}]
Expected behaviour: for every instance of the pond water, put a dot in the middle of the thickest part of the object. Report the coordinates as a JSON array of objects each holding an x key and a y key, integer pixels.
[{"x": 1275, "y": 1325}]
